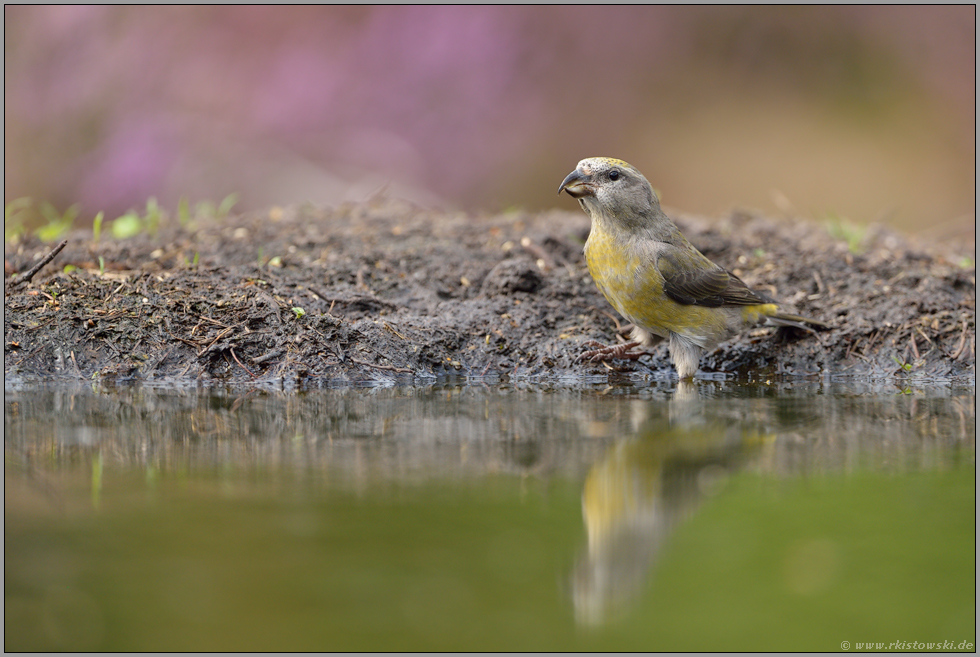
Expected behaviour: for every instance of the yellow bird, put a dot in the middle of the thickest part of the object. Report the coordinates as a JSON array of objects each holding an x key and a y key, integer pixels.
[{"x": 654, "y": 277}]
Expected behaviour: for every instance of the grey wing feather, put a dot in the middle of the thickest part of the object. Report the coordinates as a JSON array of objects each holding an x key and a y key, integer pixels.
[{"x": 691, "y": 279}]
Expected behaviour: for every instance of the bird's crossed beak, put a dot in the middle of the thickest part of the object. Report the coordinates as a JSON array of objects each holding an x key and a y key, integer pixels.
[{"x": 577, "y": 184}]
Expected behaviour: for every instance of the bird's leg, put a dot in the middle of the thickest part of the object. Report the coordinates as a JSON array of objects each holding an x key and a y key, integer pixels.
[
  {"x": 625, "y": 330},
  {"x": 603, "y": 352}
]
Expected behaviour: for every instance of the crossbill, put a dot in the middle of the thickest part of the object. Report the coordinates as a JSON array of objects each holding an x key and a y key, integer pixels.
[{"x": 654, "y": 277}]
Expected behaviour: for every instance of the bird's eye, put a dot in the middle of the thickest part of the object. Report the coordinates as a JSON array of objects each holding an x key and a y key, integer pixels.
[{"x": 614, "y": 175}]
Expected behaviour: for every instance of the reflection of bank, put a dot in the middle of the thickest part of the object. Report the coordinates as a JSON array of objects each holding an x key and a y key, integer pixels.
[{"x": 642, "y": 488}]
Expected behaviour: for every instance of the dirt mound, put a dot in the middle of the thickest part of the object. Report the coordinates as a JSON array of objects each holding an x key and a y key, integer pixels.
[{"x": 387, "y": 291}]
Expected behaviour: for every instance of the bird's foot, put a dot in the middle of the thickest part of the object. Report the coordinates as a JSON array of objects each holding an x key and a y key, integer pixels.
[{"x": 604, "y": 352}]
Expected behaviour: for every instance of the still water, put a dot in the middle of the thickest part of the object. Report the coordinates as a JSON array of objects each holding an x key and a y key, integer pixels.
[{"x": 796, "y": 516}]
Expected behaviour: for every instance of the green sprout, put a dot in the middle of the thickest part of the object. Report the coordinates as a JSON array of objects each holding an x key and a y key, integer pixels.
[
  {"x": 13, "y": 218},
  {"x": 97, "y": 226},
  {"x": 204, "y": 209},
  {"x": 841, "y": 229},
  {"x": 902, "y": 364},
  {"x": 58, "y": 224},
  {"x": 152, "y": 219},
  {"x": 183, "y": 212},
  {"x": 299, "y": 312},
  {"x": 128, "y": 225},
  {"x": 226, "y": 205}
]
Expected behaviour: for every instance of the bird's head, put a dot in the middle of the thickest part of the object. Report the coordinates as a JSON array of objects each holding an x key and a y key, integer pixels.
[{"x": 612, "y": 189}]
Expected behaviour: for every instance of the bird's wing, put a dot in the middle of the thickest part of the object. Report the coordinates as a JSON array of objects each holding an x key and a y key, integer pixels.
[{"x": 693, "y": 280}]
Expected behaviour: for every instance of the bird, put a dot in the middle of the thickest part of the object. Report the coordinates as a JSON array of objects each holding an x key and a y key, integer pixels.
[{"x": 654, "y": 277}]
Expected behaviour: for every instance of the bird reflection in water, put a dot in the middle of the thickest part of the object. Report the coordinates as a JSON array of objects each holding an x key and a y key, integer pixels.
[{"x": 644, "y": 487}]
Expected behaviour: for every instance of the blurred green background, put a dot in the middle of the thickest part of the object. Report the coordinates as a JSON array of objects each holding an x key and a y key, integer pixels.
[{"x": 866, "y": 113}]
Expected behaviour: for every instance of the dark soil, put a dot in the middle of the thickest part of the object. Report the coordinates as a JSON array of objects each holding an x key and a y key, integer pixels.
[{"x": 387, "y": 291}]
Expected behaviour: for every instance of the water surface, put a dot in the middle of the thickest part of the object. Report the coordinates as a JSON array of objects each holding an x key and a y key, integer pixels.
[{"x": 717, "y": 516}]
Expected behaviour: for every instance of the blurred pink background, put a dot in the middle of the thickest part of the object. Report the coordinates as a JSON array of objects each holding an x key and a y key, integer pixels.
[{"x": 866, "y": 113}]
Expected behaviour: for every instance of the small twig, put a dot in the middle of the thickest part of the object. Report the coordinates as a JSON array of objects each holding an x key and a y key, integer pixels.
[
  {"x": 336, "y": 351},
  {"x": 862, "y": 357},
  {"x": 820, "y": 286},
  {"x": 923, "y": 334},
  {"x": 113, "y": 293},
  {"x": 897, "y": 277},
  {"x": 959, "y": 348},
  {"x": 106, "y": 315},
  {"x": 932, "y": 345},
  {"x": 390, "y": 368},
  {"x": 318, "y": 293},
  {"x": 915, "y": 347},
  {"x": 232, "y": 350},
  {"x": 26, "y": 278},
  {"x": 319, "y": 297},
  {"x": 74, "y": 363},
  {"x": 613, "y": 318},
  {"x": 213, "y": 321},
  {"x": 275, "y": 353},
  {"x": 196, "y": 345},
  {"x": 871, "y": 341},
  {"x": 269, "y": 299},
  {"x": 388, "y": 327},
  {"x": 159, "y": 361},
  {"x": 41, "y": 325},
  {"x": 212, "y": 343},
  {"x": 484, "y": 372},
  {"x": 28, "y": 356},
  {"x": 368, "y": 298}
]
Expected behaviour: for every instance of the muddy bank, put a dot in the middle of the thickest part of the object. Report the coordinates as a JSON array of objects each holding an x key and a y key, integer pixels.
[{"x": 386, "y": 291}]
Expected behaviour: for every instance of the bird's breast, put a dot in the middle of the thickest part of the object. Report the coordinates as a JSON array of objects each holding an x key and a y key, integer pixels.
[{"x": 616, "y": 271}]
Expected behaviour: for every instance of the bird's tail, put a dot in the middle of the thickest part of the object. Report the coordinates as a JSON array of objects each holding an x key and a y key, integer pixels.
[{"x": 805, "y": 323}]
